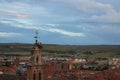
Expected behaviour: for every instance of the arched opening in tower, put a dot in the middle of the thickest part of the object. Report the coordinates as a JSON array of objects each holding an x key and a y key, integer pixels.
[
  {"x": 37, "y": 59},
  {"x": 39, "y": 75},
  {"x": 34, "y": 76}
]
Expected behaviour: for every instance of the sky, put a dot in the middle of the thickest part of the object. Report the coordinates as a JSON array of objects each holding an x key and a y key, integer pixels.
[{"x": 68, "y": 22}]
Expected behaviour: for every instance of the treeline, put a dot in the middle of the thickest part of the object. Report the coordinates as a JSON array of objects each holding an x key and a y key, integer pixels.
[{"x": 62, "y": 49}]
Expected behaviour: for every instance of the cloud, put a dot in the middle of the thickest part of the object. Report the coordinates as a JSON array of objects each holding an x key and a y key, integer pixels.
[
  {"x": 103, "y": 29},
  {"x": 9, "y": 34},
  {"x": 14, "y": 13},
  {"x": 48, "y": 28},
  {"x": 64, "y": 32},
  {"x": 97, "y": 11},
  {"x": 113, "y": 17},
  {"x": 108, "y": 29},
  {"x": 19, "y": 5},
  {"x": 87, "y": 5},
  {"x": 13, "y": 10}
]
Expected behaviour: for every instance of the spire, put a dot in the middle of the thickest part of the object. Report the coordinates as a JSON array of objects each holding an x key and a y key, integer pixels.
[
  {"x": 36, "y": 36},
  {"x": 37, "y": 43}
]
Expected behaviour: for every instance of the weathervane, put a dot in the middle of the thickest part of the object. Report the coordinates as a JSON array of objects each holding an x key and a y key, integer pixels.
[{"x": 36, "y": 36}]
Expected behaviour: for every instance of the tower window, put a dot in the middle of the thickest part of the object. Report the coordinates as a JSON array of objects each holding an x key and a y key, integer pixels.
[
  {"x": 34, "y": 76},
  {"x": 37, "y": 59},
  {"x": 39, "y": 75}
]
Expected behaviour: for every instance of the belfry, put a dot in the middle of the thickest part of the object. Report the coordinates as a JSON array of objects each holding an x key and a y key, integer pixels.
[{"x": 34, "y": 68}]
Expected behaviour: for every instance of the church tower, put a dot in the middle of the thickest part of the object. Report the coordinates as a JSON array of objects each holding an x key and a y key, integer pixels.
[
  {"x": 36, "y": 54},
  {"x": 35, "y": 67}
]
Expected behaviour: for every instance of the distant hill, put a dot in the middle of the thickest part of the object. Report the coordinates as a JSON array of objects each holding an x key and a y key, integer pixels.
[{"x": 89, "y": 51}]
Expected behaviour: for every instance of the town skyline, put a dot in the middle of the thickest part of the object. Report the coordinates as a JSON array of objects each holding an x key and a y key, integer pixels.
[{"x": 69, "y": 22}]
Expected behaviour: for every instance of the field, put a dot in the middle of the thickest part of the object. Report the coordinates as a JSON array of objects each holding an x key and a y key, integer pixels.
[{"x": 82, "y": 51}]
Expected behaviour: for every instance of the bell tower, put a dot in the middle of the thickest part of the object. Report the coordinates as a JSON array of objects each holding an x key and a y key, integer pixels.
[
  {"x": 36, "y": 52},
  {"x": 35, "y": 67}
]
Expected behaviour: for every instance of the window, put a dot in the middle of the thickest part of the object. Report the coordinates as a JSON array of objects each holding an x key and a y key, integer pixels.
[
  {"x": 37, "y": 59},
  {"x": 39, "y": 75},
  {"x": 34, "y": 76}
]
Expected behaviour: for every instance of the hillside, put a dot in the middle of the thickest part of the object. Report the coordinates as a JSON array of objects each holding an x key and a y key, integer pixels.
[{"x": 90, "y": 51}]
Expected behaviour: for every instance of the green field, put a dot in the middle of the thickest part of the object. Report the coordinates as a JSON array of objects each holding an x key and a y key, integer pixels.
[{"x": 90, "y": 51}]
